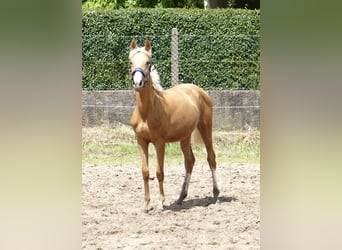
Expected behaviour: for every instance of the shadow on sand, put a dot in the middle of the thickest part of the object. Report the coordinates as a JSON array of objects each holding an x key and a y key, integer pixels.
[{"x": 198, "y": 202}]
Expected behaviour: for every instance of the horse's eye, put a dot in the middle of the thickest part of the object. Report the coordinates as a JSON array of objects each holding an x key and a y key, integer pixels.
[
  {"x": 130, "y": 63},
  {"x": 148, "y": 63}
]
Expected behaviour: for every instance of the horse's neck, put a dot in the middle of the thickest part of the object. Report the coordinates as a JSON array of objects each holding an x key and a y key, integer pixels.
[{"x": 145, "y": 100}]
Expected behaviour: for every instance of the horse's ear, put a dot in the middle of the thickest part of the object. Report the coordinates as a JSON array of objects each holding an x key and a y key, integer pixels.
[
  {"x": 148, "y": 45},
  {"x": 133, "y": 44}
]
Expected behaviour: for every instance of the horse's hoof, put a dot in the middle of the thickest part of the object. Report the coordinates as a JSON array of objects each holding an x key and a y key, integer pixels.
[
  {"x": 147, "y": 209},
  {"x": 179, "y": 202},
  {"x": 216, "y": 193},
  {"x": 182, "y": 196},
  {"x": 161, "y": 206}
]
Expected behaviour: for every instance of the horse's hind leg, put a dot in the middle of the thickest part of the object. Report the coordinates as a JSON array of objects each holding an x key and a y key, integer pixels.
[
  {"x": 189, "y": 161},
  {"x": 206, "y": 133}
]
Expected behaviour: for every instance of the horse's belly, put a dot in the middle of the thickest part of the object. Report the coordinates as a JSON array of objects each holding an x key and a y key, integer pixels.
[
  {"x": 180, "y": 131},
  {"x": 183, "y": 121},
  {"x": 177, "y": 137}
]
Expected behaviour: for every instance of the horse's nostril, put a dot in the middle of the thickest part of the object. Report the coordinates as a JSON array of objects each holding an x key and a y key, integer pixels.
[{"x": 140, "y": 83}]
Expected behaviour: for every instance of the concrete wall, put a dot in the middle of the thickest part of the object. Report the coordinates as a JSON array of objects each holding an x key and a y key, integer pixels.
[{"x": 233, "y": 109}]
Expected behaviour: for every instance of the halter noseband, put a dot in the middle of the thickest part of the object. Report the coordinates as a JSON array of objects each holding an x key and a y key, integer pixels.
[{"x": 139, "y": 70}]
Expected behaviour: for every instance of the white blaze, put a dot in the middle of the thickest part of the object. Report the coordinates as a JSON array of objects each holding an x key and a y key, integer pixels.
[{"x": 137, "y": 77}]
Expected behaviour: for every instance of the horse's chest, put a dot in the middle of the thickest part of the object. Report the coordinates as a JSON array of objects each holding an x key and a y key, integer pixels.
[
  {"x": 149, "y": 129},
  {"x": 142, "y": 130}
]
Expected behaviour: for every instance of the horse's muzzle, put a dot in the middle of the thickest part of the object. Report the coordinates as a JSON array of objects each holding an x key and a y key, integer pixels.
[
  {"x": 138, "y": 86},
  {"x": 138, "y": 79}
]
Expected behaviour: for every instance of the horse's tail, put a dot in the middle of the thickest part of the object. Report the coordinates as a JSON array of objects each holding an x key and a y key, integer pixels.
[
  {"x": 196, "y": 137},
  {"x": 205, "y": 120}
]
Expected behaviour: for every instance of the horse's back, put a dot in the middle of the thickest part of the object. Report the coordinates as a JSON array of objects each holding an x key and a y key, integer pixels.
[
  {"x": 189, "y": 89},
  {"x": 187, "y": 101},
  {"x": 189, "y": 95}
]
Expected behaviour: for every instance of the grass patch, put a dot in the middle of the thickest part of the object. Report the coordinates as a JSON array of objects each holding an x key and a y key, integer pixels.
[{"x": 117, "y": 145}]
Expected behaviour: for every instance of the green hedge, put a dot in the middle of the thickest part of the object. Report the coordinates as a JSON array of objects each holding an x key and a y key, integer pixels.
[{"x": 218, "y": 49}]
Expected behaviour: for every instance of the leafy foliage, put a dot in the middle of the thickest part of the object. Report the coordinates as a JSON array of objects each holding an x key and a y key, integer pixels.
[
  {"x": 218, "y": 49},
  {"x": 102, "y": 4},
  {"x": 116, "y": 4}
]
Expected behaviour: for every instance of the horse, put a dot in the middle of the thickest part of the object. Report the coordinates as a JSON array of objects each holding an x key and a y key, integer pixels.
[{"x": 163, "y": 116}]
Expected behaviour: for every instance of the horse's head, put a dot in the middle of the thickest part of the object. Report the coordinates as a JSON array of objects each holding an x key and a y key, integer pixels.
[{"x": 140, "y": 60}]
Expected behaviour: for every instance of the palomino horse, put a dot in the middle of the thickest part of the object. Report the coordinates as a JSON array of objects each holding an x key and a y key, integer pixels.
[{"x": 168, "y": 116}]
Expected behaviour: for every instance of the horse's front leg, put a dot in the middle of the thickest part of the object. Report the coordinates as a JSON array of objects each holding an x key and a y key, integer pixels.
[
  {"x": 143, "y": 149},
  {"x": 160, "y": 149}
]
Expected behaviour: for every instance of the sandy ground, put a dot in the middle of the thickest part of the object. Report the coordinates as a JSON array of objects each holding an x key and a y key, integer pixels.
[{"x": 113, "y": 218}]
